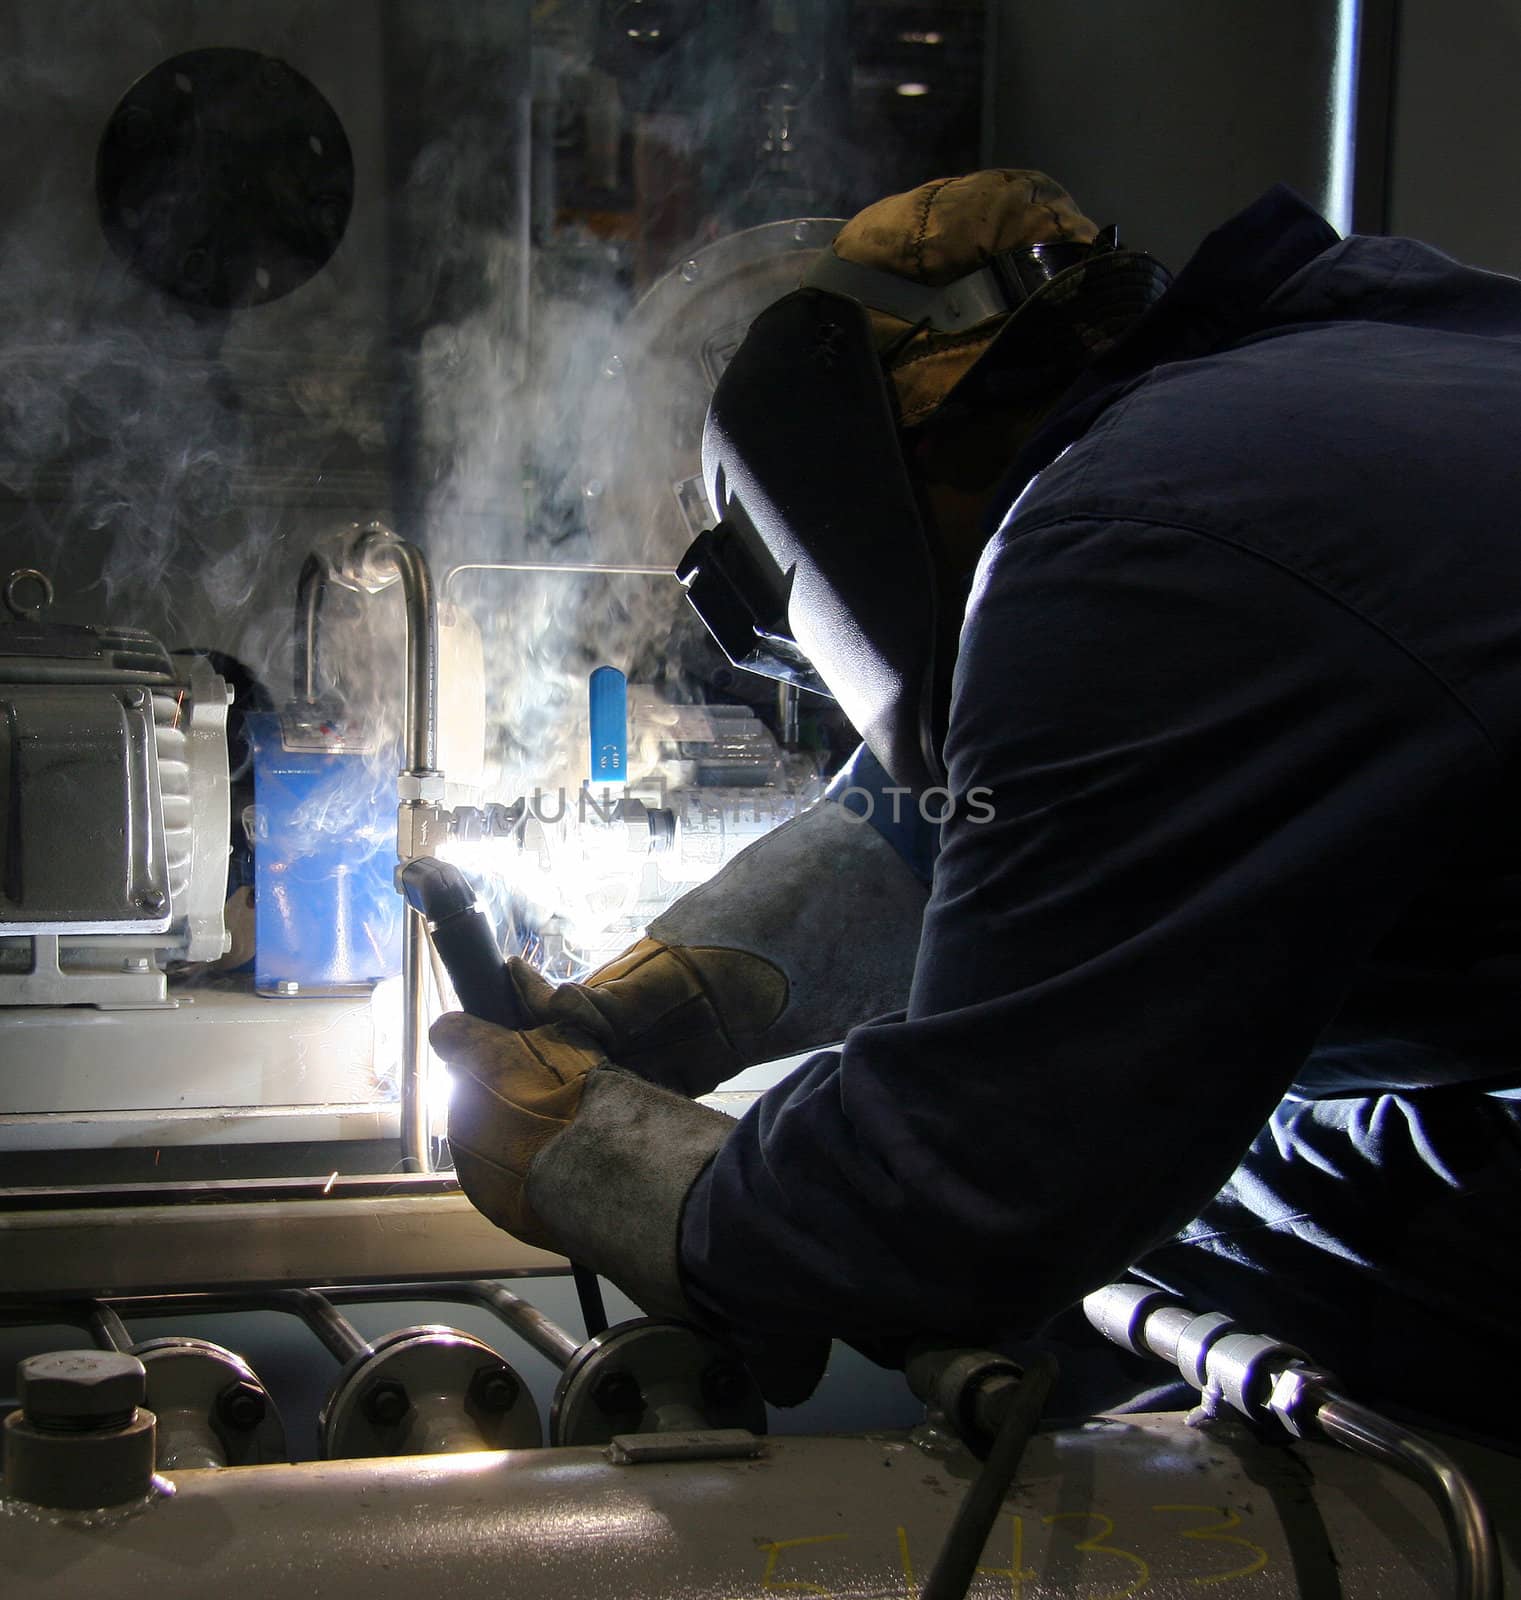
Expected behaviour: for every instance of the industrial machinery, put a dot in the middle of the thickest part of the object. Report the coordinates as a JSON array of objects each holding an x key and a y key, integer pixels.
[{"x": 279, "y": 280}]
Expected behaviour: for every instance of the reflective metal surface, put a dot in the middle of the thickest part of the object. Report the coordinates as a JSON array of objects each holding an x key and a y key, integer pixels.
[{"x": 1145, "y": 1507}]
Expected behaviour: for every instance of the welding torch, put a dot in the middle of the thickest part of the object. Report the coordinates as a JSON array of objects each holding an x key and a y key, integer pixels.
[{"x": 462, "y": 935}]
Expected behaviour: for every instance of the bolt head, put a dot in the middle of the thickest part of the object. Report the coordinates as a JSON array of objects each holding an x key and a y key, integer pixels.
[
  {"x": 385, "y": 1402},
  {"x": 155, "y": 900},
  {"x": 242, "y": 1405},
  {"x": 494, "y": 1389},
  {"x": 80, "y": 1388},
  {"x": 617, "y": 1392}
]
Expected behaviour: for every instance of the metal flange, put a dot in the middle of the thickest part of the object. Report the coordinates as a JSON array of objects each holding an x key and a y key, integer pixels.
[
  {"x": 652, "y": 1376},
  {"x": 212, "y": 1410},
  {"x": 425, "y": 1391}
]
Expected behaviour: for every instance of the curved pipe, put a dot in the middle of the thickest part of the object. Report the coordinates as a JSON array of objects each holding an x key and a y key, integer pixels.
[
  {"x": 1468, "y": 1526},
  {"x": 375, "y": 549},
  {"x": 371, "y": 560}
]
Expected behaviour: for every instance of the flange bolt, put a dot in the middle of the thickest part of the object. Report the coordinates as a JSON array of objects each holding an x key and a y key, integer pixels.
[
  {"x": 386, "y": 1402},
  {"x": 617, "y": 1393},
  {"x": 494, "y": 1389},
  {"x": 242, "y": 1405}
]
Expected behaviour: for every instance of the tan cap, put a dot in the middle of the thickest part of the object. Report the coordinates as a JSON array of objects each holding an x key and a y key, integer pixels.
[{"x": 940, "y": 232}]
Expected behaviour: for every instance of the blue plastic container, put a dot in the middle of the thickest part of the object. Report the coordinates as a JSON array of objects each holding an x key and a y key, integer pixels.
[{"x": 327, "y": 917}]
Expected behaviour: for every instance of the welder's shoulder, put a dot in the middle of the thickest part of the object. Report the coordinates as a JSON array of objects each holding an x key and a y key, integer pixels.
[{"x": 1373, "y": 461}]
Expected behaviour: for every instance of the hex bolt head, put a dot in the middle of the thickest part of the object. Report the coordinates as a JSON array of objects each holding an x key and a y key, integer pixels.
[
  {"x": 135, "y": 699},
  {"x": 155, "y": 900},
  {"x": 79, "y": 1391},
  {"x": 725, "y": 1384},
  {"x": 494, "y": 1389},
  {"x": 242, "y": 1405},
  {"x": 385, "y": 1402},
  {"x": 618, "y": 1392}
]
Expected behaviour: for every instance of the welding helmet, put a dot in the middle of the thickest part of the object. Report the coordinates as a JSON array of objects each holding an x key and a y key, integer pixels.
[{"x": 825, "y": 569}]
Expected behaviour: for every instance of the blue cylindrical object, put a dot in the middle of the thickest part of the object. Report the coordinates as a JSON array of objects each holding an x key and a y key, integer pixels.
[{"x": 609, "y": 726}]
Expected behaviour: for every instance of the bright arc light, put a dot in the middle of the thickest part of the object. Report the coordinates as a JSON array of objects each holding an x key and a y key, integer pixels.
[
  {"x": 919, "y": 36},
  {"x": 911, "y": 91}
]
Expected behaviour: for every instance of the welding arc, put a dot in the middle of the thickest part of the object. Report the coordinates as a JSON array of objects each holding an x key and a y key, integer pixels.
[{"x": 462, "y": 935}]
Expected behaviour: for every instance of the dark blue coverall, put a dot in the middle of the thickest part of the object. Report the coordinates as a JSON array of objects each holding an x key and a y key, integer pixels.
[{"x": 1230, "y": 985}]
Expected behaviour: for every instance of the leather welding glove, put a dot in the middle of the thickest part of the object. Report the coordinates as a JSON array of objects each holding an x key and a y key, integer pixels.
[
  {"x": 566, "y": 1151},
  {"x": 807, "y": 932}
]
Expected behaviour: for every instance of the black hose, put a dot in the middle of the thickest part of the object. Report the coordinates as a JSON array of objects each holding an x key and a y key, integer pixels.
[{"x": 956, "y": 1564}]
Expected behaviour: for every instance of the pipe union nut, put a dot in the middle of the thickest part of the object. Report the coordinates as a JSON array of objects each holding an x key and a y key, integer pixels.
[{"x": 419, "y": 784}]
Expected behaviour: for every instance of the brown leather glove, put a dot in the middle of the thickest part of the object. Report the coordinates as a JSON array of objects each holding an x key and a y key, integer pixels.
[
  {"x": 568, "y": 1152},
  {"x": 513, "y": 1092},
  {"x": 685, "y": 1018},
  {"x": 747, "y": 967}
]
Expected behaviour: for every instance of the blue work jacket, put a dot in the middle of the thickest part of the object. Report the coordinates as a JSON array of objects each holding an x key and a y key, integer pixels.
[{"x": 1241, "y": 675}]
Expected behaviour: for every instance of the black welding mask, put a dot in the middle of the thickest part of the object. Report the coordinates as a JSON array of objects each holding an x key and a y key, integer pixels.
[{"x": 824, "y": 569}]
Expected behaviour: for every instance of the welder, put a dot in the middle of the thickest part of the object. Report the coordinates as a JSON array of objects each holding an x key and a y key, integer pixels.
[{"x": 1181, "y": 622}]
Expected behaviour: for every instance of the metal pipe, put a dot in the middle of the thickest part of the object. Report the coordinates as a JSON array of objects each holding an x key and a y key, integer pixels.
[
  {"x": 370, "y": 560},
  {"x": 527, "y": 1321},
  {"x": 337, "y": 1335},
  {"x": 310, "y": 587},
  {"x": 99, "y": 1321},
  {"x": 1468, "y": 1526},
  {"x": 109, "y": 1330},
  {"x": 377, "y": 546},
  {"x": 570, "y": 568},
  {"x": 416, "y": 1112}
]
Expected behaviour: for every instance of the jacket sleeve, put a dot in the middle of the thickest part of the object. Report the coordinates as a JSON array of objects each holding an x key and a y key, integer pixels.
[{"x": 1191, "y": 792}]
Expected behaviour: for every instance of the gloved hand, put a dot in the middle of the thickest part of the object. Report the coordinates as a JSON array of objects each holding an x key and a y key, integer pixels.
[
  {"x": 566, "y": 1151},
  {"x": 685, "y": 1017},
  {"x": 512, "y": 1093},
  {"x": 744, "y": 968}
]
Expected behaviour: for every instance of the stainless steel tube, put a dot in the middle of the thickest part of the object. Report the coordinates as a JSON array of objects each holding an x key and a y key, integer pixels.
[
  {"x": 338, "y": 1336},
  {"x": 527, "y": 1321},
  {"x": 568, "y": 568},
  {"x": 416, "y": 1110},
  {"x": 376, "y": 549},
  {"x": 1468, "y": 1526},
  {"x": 309, "y": 589}
]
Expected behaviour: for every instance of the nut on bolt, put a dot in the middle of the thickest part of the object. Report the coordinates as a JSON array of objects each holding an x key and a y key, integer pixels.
[
  {"x": 618, "y": 1392},
  {"x": 494, "y": 1389},
  {"x": 385, "y": 1402},
  {"x": 242, "y": 1405},
  {"x": 78, "y": 1391}
]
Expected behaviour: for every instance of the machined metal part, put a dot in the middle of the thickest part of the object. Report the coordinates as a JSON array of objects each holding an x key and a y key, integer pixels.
[
  {"x": 1267, "y": 1381},
  {"x": 212, "y": 1410},
  {"x": 968, "y": 1388},
  {"x": 81, "y": 1438},
  {"x": 651, "y": 1376},
  {"x": 428, "y": 1391},
  {"x": 1146, "y": 1504}
]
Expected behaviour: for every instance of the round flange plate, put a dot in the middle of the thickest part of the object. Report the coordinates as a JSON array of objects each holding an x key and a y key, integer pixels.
[
  {"x": 652, "y": 1376},
  {"x": 225, "y": 178},
  {"x": 212, "y": 1389},
  {"x": 641, "y": 453},
  {"x": 424, "y": 1391}
]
